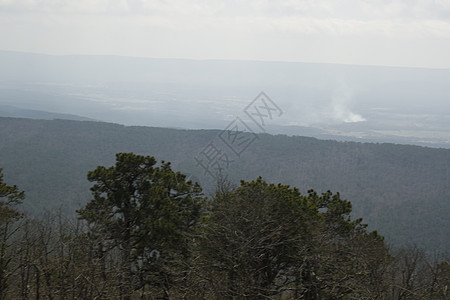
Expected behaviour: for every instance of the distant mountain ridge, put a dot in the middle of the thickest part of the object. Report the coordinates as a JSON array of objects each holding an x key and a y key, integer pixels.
[
  {"x": 15, "y": 112},
  {"x": 402, "y": 191}
]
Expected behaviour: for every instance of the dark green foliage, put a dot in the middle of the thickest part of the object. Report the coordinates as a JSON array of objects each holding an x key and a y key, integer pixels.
[
  {"x": 146, "y": 212},
  {"x": 10, "y": 196}
]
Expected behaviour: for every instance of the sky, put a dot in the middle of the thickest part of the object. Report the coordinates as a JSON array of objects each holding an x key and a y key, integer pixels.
[{"x": 371, "y": 32}]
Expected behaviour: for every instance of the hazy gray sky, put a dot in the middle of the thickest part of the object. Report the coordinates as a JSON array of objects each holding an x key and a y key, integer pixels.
[{"x": 373, "y": 32}]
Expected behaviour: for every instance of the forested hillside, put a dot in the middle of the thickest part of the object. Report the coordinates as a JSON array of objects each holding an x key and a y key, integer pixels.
[{"x": 402, "y": 191}]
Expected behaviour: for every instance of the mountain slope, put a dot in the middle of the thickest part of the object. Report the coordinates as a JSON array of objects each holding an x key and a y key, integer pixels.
[{"x": 403, "y": 191}]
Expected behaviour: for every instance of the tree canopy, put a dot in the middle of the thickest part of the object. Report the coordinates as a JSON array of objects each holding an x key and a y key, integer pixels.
[
  {"x": 148, "y": 233},
  {"x": 145, "y": 211},
  {"x": 10, "y": 196},
  {"x": 267, "y": 240}
]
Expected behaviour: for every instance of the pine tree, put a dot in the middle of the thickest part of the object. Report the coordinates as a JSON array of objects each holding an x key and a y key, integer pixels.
[{"x": 144, "y": 212}]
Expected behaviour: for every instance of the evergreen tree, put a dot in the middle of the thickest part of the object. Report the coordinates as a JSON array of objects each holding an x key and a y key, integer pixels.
[
  {"x": 10, "y": 196},
  {"x": 144, "y": 212}
]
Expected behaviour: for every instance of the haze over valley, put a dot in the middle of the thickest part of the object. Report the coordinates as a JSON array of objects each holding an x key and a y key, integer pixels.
[{"x": 328, "y": 101}]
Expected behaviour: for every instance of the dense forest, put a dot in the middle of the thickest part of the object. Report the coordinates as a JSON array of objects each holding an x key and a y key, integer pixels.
[
  {"x": 149, "y": 233},
  {"x": 400, "y": 190}
]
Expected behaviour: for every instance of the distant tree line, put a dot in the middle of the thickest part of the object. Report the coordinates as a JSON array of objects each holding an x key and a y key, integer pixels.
[{"x": 148, "y": 233}]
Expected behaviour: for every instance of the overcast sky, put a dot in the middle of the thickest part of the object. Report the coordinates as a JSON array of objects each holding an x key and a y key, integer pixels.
[{"x": 369, "y": 32}]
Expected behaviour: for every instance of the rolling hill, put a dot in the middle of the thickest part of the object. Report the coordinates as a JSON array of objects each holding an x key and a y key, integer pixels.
[{"x": 402, "y": 191}]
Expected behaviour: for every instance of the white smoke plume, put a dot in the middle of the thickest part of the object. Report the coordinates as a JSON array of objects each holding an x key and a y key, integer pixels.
[{"x": 341, "y": 105}]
